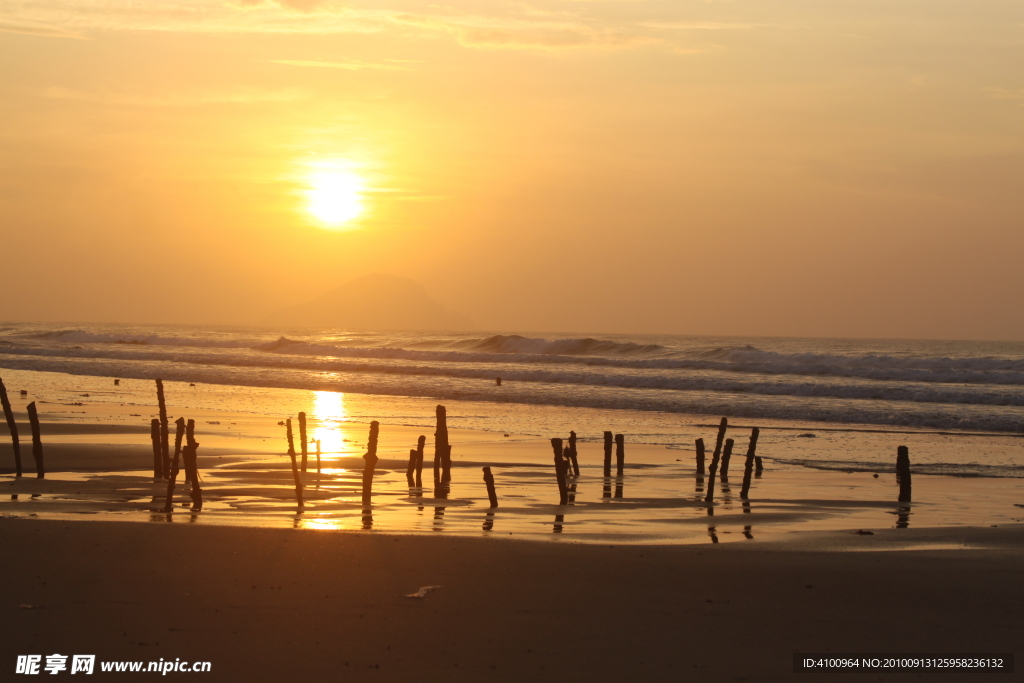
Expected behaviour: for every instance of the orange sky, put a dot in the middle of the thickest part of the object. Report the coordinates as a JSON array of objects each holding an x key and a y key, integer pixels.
[{"x": 842, "y": 168}]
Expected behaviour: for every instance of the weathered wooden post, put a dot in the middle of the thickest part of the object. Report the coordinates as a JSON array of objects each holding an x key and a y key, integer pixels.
[
  {"x": 620, "y": 454},
  {"x": 37, "y": 442},
  {"x": 165, "y": 450},
  {"x": 607, "y": 454},
  {"x": 420, "y": 447},
  {"x": 410, "y": 472},
  {"x": 440, "y": 442},
  {"x": 903, "y": 472},
  {"x": 302, "y": 439},
  {"x": 758, "y": 467},
  {"x": 700, "y": 457},
  {"x": 371, "y": 462},
  {"x": 12, "y": 426},
  {"x": 154, "y": 436},
  {"x": 722, "y": 426},
  {"x": 179, "y": 433},
  {"x": 726, "y": 456},
  {"x": 489, "y": 480},
  {"x": 572, "y": 454},
  {"x": 498, "y": 381},
  {"x": 295, "y": 465},
  {"x": 748, "y": 466},
  {"x": 190, "y": 453},
  {"x": 563, "y": 491}
]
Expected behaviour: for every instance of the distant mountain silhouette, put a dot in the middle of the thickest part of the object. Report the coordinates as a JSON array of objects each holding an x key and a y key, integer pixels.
[{"x": 372, "y": 302}]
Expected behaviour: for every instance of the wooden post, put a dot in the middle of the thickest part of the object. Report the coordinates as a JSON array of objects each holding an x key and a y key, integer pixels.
[
  {"x": 722, "y": 426},
  {"x": 489, "y": 480},
  {"x": 190, "y": 453},
  {"x": 572, "y": 454},
  {"x": 726, "y": 455},
  {"x": 758, "y": 466},
  {"x": 371, "y": 462},
  {"x": 165, "y": 450},
  {"x": 318, "y": 458},
  {"x": 410, "y": 472},
  {"x": 440, "y": 442},
  {"x": 302, "y": 439},
  {"x": 420, "y": 447},
  {"x": 563, "y": 491},
  {"x": 498, "y": 381},
  {"x": 620, "y": 453},
  {"x": 12, "y": 426},
  {"x": 154, "y": 435},
  {"x": 295, "y": 465},
  {"x": 748, "y": 466},
  {"x": 607, "y": 454},
  {"x": 37, "y": 441},
  {"x": 173, "y": 476},
  {"x": 446, "y": 469},
  {"x": 903, "y": 472},
  {"x": 700, "y": 457}
]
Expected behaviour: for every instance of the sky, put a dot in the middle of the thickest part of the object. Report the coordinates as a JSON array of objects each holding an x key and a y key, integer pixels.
[{"x": 850, "y": 168}]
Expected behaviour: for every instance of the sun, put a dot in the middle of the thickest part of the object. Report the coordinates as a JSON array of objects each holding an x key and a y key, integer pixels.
[{"x": 334, "y": 196}]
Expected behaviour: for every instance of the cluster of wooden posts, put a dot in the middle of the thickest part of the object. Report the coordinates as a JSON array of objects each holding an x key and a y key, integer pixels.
[
  {"x": 165, "y": 465},
  {"x": 37, "y": 441},
  {"x": 721, "y": 457}
]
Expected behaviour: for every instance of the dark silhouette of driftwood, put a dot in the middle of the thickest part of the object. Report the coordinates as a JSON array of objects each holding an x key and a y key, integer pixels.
[
  {"x": 302, "y": 439},
  {"x": 410, "y": 472},
  {"x": 179, "y": 433},
  {"x": 572, "y": 454},
  {"x": 563, "y": 491},
  {"x": 700, "y": 457},
  {"x": 371, "y": 462},
  {"x": 165, "y": 449},
  {"x": 903, "y": 472},
  {"x": 620, "y": 454},
  {"x": 295, "y": 465},
  {"x": 607, "y": 454},
  {"x": 420, "y": 447},
  {"x": 748, "y": 466},
  {"x": 154, "y": 436},
  {"x": 190, "y": 455},
  {"x": 12, "y": 426},
  {"x": 37, "y": 441},
  {"x": 726, "y": 456},
  {"x": 489, "y": 481},
  {"x": 440, "y": 442},
  {"x": 722, "y": 426}
]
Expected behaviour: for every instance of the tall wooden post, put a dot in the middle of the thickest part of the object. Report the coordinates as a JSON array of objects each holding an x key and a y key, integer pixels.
[
  {"x": 726, "y": 456},
  {"x": 154, "y": 436},
  {"x": 572, "y": 454},
  {"x": 700, "y": 457},
  {"x": 440, "y": 442},
  {"x": 37, "y": 441},
  {"x": 410, "y": 471},
  {"x": 563, "y": 490},
  {"x": 295, "y": 465},
  {"x": 620, "y": 453},
  {"x": 371, "y": 462},
  {"x": 165, "y": 450},
  {"x": 420, "y": 447},
  {"x": 12, "y": 426},
  {"x": 489, "y": 481},
  {"x": 903, "y": 472},
  {"x": 302, "y": 439},
  {"x": 748, "y": 466},
  {"x": 607, "y": 454},
  {"x": 190, "y": 454}
]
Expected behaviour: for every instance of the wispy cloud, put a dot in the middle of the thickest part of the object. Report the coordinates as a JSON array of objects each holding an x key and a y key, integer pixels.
[
  {"x": 39, "y": 30},
  {"x": 183, "y": 99},
  {"x": 349, "y": 64},
  {"x": 697, "y": 25}
]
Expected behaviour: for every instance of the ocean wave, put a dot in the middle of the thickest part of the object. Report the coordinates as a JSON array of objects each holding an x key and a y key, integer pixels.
[
  {"x": 950, "y": 469},
  {"x": 514, "y": 343},
  {"x": 76, "y": 336}
]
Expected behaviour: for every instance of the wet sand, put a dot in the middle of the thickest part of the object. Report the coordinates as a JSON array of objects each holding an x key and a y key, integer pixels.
[{"x": 274, "y": 605}]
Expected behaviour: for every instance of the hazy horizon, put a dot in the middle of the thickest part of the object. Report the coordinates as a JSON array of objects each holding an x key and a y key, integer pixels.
[{"x": 781, "y": 169}]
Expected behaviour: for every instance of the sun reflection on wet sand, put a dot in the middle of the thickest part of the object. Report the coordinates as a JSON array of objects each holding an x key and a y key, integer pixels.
[{"x": 330, "y": 414}]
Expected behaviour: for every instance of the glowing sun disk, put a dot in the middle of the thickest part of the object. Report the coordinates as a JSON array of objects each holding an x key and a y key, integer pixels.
[{"x": 334, "y": 196}]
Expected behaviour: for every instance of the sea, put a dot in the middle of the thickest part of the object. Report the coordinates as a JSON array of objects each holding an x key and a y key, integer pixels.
[{"x": 649, "y": 385}]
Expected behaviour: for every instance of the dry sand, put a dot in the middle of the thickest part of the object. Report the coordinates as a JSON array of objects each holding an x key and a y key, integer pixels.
[{"x": 277, "y": 605}]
